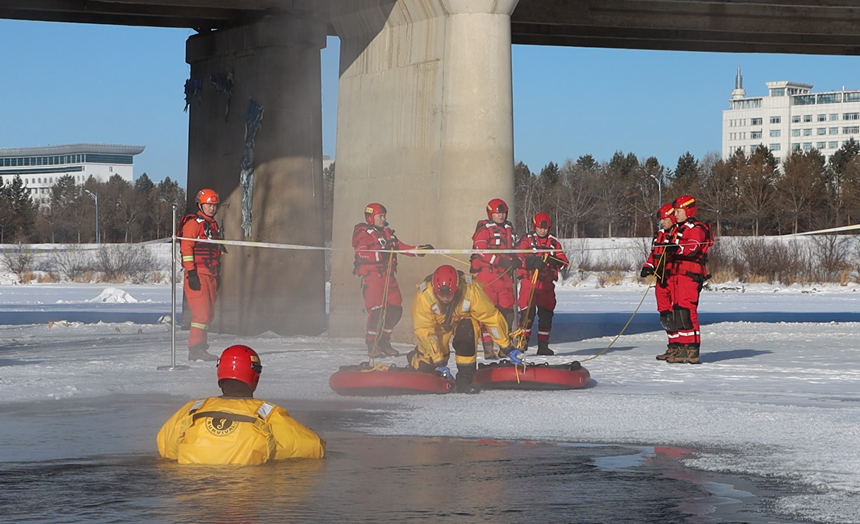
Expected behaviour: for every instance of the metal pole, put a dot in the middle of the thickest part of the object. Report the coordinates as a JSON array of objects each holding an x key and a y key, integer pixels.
[
  {"x": 659, "y": 190},
  {"x": 97, "y": 217},
  {"x": 173, "y": 366}
]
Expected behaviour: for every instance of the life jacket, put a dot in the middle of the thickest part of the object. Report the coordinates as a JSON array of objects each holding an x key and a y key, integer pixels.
[
  {"x": 659, "y": 257},
  {"x": 497, "y": 236},
  {"x": 205, "y": 254},
  {"x": 694, "y": 264},
  {"x": 549, "y": 270},
  {"x": 369, "y": 243}
]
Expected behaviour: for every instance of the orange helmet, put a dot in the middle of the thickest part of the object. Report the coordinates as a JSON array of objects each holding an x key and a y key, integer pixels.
[
  {"x": 496, "y": 205},
  {"x": 371, "y": 210},
  {"x": 240, "y": 363},
  {"x": 542, "y": 220},
  {"x": 446, "y": 281},
  {"x": 688, "y": 203},
  {"x": 207, "y": 196},
  {"x": 667, "y": 210}
]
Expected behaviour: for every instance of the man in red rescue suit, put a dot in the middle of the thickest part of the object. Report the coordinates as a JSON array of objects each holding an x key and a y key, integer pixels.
[
  {"x": 202, "y": 264},
  {"x": 447, "y": 311},
  {"x": 537, "y": 284},
  {"x": 688, "y": 252},
  {"x": 236, "y": 428},
  {"x": 376, "y": 264},
  {"x": 495, "y": 271},
  {"x": 656, "y": 265}
]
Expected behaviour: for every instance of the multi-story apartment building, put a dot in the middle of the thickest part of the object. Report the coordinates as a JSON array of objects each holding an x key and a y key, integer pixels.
[
  {"x": 40, "y": 167},
  {"x": 791, "y": 117}
]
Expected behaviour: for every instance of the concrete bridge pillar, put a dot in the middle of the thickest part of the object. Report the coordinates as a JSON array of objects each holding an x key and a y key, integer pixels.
[
  {"x": 425, "y": 127},
  {"x": 274, "y": 63}
]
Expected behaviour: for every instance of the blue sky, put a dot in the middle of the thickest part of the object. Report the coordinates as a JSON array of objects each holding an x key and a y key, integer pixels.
[{"x": 71, "y": 83}]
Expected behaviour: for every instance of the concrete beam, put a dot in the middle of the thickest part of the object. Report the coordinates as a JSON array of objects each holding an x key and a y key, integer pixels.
[
  {"x": 276, "y": 63},
  {"x": 425, "y": 127}
]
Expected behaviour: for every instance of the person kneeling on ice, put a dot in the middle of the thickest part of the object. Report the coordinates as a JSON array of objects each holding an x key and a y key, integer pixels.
[
  {"x": 450, "y": 308},
  {"x": 236, "y": 428}
]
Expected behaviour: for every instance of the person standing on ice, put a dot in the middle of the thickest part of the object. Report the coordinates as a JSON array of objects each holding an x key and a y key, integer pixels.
[
  {"x": 450, "y": 308},
  {"x": 688, "y": 254},
  {"x": 236, "y": 428},
  {"x": 537, "y": 284},
  {"x": 376, "y": 264},
  {"x": 656, "y": 265},
  {"x": 202, "y": 264},
  {"x": 495, "y": 270}
]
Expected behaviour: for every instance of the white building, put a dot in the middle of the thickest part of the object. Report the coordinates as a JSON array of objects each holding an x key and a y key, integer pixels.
[
  {"x": 41, "y": 167},
  {"x": 790, "y": 117}
]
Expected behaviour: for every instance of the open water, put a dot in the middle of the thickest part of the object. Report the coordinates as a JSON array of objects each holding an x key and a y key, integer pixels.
[{"x": 80, "y": 461}]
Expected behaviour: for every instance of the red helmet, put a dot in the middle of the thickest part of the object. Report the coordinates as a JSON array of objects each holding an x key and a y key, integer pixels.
[
  {"x": 688, "y": 203},
  {"x": 496, "y": 205},
  {"x": 371, "y": 210},
  {"x": 240, "y": 363},
  {"x": 667, "y": 210},
  {"x": 542, "y": 220},
  {"x": 446, "y": 281},
  {"x": 207, "y": 196}
]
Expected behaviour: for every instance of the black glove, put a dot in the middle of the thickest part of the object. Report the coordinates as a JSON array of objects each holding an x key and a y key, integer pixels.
[
  {"x": 193, "y": 280},
  {"x": 533, "y": 263},
  {"x": 671, "y": 248},
  {"x": 509, "y": 262},
  {"x": 646, "y": 270},
  {"x": 424, "y": 246}
]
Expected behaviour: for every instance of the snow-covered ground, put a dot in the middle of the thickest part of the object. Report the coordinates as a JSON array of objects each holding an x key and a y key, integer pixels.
[{"x": 777, "y": 394}]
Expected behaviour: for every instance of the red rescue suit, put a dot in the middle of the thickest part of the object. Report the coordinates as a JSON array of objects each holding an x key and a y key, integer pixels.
[
  {"x": 205, "y": 258},
  {"x": 538, "y": 299},
  {"x": 494, "y": 271},
  {"x": 687, "y": 273},
  {"x": 376, "y": 265},
  {"x": 657, "y": 261}
]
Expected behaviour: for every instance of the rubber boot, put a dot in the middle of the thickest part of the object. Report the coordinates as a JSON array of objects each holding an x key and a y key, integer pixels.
[
  {"x": 489, "y": 352},
  {"x": 464, "y": 383},
  {"x": 543, "y": 348},
  {"x": 384, "y": 345},
  {"x": 373, "y": 350},
  {"x": 199, "y": 352},
  {"x": 671, "y": 350},
  {"x": 687, "y": 354}
]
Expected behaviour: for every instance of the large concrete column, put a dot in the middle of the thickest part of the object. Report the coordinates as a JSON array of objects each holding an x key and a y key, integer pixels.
[
  {"x": 275, "y": 62},
  {"x": 425, "y": 127}
]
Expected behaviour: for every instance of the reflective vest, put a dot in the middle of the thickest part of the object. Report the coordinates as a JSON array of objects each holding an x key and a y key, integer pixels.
[
  {"x": 371, "y": 246},
  {"x": 694, "y": 240}
]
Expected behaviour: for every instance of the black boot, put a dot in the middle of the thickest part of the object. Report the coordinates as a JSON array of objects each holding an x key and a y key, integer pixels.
[
  {"x": 373, "y": 350},
  {"x": 464, "y": 383},
  {"x": 543, "y": 348},
  {"x": 199, "y": 352},
  {"x": 385, "y": 346},
  {"x": 490, "y": 352}
]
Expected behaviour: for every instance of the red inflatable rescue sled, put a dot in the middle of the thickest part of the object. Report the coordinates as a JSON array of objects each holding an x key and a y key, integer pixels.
[
  {"x": 379, "y": 381},
  {"x": 505, "y": 375}
]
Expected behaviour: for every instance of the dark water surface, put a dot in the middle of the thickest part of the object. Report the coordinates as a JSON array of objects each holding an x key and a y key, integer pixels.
[{"x": 95, "y": 461}]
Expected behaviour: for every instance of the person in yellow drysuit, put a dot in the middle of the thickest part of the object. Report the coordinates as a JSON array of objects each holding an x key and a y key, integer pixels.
[
  {"x": 450, "y": 307},
  {"x": 236, "y": 428}
]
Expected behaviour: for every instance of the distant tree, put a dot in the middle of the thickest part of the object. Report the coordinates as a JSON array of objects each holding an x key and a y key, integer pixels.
[
  {"x": 687, "y": 176},
  {"x": 166, "y": 194},
  {"x": 719, "y": 193},
  {"x": 579, "y": 197},
  {"x": 802, "y": 186},
  {"x": 757, "y": 187},
  {"x": 20, "y": 216},
  {"x": 526, "y": 195}
]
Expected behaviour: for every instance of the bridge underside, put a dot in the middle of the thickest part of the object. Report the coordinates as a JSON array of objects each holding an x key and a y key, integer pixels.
[{"x": 829, "y": 27}]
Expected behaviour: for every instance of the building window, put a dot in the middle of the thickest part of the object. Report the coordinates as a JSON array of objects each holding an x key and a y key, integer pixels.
[
  {"x": 807, "y": 146},
  {"x": 807, "y": 118},
  {"x": 833, "y": 131},
  {"x": 851, "y": 116},
  {"x": 795, "y": 119},
  {"x": 807, "y": 132},
  {"x": 830, "y": 98},
  {"x": 832, "y": 145},
  {"x": 821, "y": 118},
  {"x": 775, "y": 132},
  {"x": 820, "y": 145},
  {"x": 820, "y": 131},
  {"x": 852, "y": 130},
  {"x": 755, "y": 134},
  {"x": 755, "y": 121},
  {"x": 795, "y": 147},
  {"x": 774, "y": 147},
  {"x": 795, "y": 132},
  {"x": 775, "y": 120}
]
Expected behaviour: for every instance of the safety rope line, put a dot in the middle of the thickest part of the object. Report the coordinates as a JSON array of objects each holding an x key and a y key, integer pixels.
[
  {"x": 381, "y": 321},
  {"x": 519, "y": 334}
]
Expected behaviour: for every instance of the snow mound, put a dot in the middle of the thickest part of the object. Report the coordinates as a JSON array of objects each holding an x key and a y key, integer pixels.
[{"x": 114, "y": 296}]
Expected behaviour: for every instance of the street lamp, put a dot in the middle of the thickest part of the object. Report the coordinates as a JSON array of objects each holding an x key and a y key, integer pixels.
[{"x": 96, "y": 198}]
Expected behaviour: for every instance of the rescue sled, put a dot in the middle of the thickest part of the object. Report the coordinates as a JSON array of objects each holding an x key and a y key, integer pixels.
[
  {"x": 379, "y": 381},
  {"x": 506, "y": 375}
]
